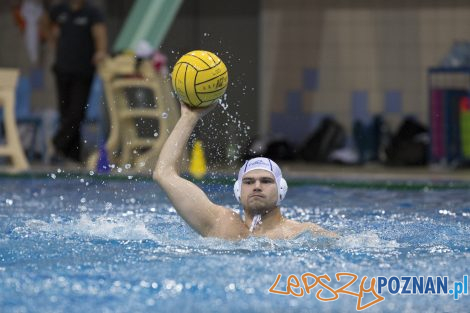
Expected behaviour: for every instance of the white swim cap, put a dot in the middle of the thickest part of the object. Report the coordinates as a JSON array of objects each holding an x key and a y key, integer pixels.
[{"x": 266, "y": 164}]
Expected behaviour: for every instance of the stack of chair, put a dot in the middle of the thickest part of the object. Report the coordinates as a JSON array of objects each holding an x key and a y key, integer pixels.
[
  {"x": 141, "y": 109},
  {"x": 11, "y": 147}
]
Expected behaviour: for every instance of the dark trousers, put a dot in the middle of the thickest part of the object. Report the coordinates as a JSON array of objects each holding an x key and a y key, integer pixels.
[{"x": 72, "y": 90}]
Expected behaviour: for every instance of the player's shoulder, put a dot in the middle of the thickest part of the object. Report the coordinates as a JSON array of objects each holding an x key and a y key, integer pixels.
[
  {"x": 300, "y": 227},
  {"x": 228, "y": 225},
  {"x": 295, "y": 224}
]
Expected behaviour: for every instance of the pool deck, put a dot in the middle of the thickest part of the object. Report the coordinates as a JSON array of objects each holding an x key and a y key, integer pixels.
[
  {"x": 296, "y": 170},
  {"x": 377, "y": 172}
]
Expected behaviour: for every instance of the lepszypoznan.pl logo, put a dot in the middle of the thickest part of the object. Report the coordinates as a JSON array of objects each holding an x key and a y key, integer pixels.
[{"x": 404, "y": 285}]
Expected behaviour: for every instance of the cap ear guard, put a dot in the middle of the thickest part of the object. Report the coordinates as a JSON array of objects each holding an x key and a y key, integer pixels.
[
  {"x": 281, "y": 190},
  {"x": 237, "y": 190}
]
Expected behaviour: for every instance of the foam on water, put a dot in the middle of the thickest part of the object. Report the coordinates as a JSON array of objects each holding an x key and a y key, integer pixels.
[{"x": 140, "y": 227}]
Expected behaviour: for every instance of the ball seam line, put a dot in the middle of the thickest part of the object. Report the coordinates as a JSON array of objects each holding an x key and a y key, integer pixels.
[
  {"x": 184, "y": 83},
  {"x": 211, "y": 78},
  {"x": 195, "y": 56},
  {"x": 195, "y": 90},
  {"x": 212, "y": 91}
]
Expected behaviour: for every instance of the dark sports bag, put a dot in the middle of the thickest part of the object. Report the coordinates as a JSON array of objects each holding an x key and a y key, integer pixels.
[
  {"x": 328, "y": 137},
  {"x": 409, "y": 146}
]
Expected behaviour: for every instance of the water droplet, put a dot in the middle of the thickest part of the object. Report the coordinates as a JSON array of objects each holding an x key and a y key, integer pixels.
[
  {"x": 164, "y": 115},
  {"x": 53, "y": 176},
  {"x": 127, "y": 166},
  {"x": 82, "y": 200},
  {"x": 9, "y": 201},
  {"x": 230, "y": 287}
]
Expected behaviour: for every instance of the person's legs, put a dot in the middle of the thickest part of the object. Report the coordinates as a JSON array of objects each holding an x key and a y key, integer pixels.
[
  {"x": 63, "y": 99},
  {"x": 80, "y": 91},
  {"x": 67, "y": 139}
]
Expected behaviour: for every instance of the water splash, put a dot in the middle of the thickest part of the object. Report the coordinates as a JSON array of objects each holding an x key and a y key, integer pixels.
[
  {"x": 368, "y": 240},
  {"x": 104, "y": 227}
]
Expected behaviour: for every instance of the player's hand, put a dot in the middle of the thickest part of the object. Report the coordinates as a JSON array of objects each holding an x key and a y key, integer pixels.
[{"x": 200, "y": 112}]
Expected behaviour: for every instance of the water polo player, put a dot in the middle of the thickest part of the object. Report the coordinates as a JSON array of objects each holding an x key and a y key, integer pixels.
[{"x": 259, "y": 188}]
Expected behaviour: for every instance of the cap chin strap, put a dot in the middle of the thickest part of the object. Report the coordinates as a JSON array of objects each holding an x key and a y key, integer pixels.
[
  {"x": 281, "y": 190},
  {"x": 256, "y": 220}
]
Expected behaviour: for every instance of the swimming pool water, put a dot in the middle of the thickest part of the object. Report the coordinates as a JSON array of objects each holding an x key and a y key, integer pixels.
[{"x": 89, "y": 244}]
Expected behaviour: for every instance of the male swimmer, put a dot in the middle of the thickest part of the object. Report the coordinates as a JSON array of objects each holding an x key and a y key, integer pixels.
[{"x": 260, "y": 188}]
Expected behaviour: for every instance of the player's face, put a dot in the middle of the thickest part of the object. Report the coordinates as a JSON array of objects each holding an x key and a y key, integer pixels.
[{"x": 259, "y": 191}]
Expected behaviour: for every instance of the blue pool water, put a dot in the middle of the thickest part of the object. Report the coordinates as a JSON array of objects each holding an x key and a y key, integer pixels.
[{"x": 88, "y": 244}]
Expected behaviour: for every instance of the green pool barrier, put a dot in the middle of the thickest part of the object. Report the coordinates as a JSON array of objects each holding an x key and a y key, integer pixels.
[{"x": 148, "y": 20}]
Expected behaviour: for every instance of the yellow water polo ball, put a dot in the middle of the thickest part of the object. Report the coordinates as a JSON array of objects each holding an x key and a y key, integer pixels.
[{"x": 199, "y": 78}]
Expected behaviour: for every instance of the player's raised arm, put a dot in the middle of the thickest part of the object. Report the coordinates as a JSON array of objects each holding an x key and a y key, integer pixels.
[
  {"x": 199, "y": 78},
  {"x": 188, "y": 199}
]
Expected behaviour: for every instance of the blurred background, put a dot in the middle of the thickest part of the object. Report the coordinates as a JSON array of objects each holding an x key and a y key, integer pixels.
[{"x": 328, "y": 81}]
